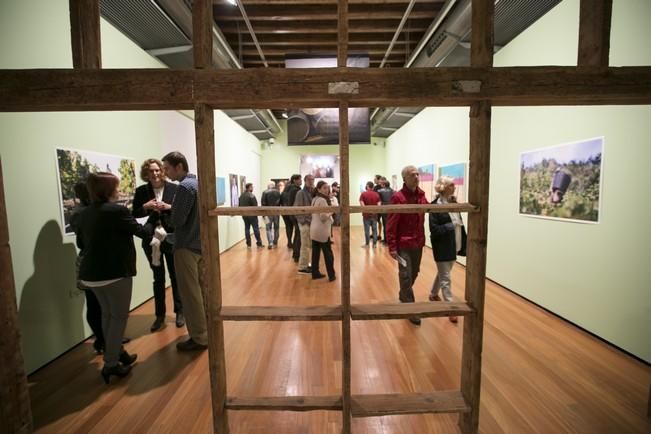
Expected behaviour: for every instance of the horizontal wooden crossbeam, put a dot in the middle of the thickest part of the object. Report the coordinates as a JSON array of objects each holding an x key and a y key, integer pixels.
[
  {"x": 409, "y": 403},
  {"x": 281, "y": 313},
  {"x": 154, "y": 89},
  {"x": 285, "y": 403},
  {"x": 408, "y": 310},
  {"x": 298, "y": 210}
]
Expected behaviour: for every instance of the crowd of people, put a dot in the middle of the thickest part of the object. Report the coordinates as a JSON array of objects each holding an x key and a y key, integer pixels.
[{"x": 170, "y": 239}]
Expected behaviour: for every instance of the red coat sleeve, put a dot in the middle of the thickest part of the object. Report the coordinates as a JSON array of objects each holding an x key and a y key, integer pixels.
[{"x": 392, "y": 226}]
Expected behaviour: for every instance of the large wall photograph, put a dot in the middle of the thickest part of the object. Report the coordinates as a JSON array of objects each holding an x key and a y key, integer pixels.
[
  {"x": 322, "y": 167},
  {"x": 427, "y": 181},
  {"x": 563, "y": 181},
  {"x": 458, "y": 173},
  {"x": 234, "y": 189},
  {"x": 74, "y": 166}
]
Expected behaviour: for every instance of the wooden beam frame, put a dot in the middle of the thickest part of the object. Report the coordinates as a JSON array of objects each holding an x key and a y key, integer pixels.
[
  {"x": 85, "y": 34},
  {"x": 594, "y": 33},
  {"x": 15, "y": 410},
  {"x": 153, "y": 89}
]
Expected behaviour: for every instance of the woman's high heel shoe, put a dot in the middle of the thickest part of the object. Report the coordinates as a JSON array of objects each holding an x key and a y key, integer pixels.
[
  {"x": 127, "y": 359},
  {"x": 117, "y": 370}
]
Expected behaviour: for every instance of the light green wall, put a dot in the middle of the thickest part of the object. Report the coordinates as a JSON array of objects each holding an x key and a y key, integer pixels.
[
  {"x": 281, "y": 161},
  {"x": 593, "y": 275},
  {"x": 36, "y": 34}
]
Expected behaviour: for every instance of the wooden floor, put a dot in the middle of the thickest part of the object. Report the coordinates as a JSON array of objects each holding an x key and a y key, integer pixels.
[{"x": 540, "y": 374}]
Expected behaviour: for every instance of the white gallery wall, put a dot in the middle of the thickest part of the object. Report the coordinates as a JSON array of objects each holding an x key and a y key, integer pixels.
[{"x": 594, "y": 275}]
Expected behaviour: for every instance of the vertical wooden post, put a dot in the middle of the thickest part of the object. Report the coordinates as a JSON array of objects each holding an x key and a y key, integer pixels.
[
  {"x": 480, "y": 134},
  {"x": 202, "y": 22},
  {"x": 594, "y": 32},
  {"x": 15, "y": 409},
  {"x": 85, "y": 34},
  {"x": 345, "y": 266},
  {"x": 342, "y": 57}
]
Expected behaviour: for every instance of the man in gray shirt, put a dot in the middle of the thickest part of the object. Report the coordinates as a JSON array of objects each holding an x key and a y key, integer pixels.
[
  {"x": 304, "y": 198},
  {"x": 187, "y": 250}
]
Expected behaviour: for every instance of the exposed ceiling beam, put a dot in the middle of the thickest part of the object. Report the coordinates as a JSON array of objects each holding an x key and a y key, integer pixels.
[
  {"x": 271, "y": 52},
  {"x": 322, "y": 12},
  {"x": 323, "y": 2},
  {"x": 323, "y": 39},
  {"x": 378, "y": 26}
]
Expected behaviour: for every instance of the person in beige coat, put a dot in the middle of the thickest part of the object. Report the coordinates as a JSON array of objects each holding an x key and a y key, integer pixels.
[{"x": 320, "y": 230}]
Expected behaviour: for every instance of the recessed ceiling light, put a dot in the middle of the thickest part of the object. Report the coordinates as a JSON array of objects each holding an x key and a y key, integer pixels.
[{"x": 233, "y": 2}]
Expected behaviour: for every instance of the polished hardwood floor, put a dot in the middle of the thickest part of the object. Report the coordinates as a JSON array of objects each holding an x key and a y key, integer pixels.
[{"x": 540, "y": 374}]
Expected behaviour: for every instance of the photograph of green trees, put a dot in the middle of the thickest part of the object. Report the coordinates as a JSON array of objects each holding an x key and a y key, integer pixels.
[{"x": 563, "y": 181}]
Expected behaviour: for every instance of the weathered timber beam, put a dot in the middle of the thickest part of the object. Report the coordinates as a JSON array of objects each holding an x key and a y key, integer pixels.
[
  {"x": 154, "y": 89},
  {"x": 594, "y": 32},
  {"x": 85, "y": 34}
]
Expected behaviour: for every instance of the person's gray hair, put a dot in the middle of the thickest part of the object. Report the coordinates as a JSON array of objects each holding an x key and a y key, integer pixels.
[
  {"x": 442, "y": 183},
  {"x": 271, "y": 184},
  {"x": 407, "y": 169}
]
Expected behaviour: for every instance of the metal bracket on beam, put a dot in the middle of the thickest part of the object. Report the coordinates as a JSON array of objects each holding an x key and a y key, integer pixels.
[
  {"x": 345, "y": 87},
  {"x": 467, "y": 86}
]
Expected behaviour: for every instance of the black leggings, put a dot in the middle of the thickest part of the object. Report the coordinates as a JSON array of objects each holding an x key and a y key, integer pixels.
[{"x": 327, "y": 256}]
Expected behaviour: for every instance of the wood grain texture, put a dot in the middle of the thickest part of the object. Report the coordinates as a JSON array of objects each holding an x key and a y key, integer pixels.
[
  {"x": 287, "y": 403},
  {"x": 473, "y": 327},
  {"x": 152, "y": 89},
  {"x": 594, "y": 33},
  {"x": 411, "y": 403},
  {"x": 540, "y": 374},
  {"x": 212, "y": 291},
  {"x": 423, "y": 309},
  {"x": 202, "y": 24},
  {"x": 281, "y": 313},
  {"x": 15, "y": 409},
  {"x": 342, "y": 33},
  {"x": 297, "y": 210},
  {"x": 85, "y": 34}
]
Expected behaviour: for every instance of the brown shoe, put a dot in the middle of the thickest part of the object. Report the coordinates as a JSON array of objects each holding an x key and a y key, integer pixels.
[
  {"x": 453, "y": 319},
  {"x": 190, "y": 345},
  {"x": 434, "y": 298}
]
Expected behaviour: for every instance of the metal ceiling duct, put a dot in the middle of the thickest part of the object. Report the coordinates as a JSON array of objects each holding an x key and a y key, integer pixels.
[
  {"x": 447, "y": 43},
  {"x": 164, "y": 29}
]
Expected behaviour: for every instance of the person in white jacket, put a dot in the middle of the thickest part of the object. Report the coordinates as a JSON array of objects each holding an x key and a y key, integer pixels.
[{"x": 320, "y": 230}]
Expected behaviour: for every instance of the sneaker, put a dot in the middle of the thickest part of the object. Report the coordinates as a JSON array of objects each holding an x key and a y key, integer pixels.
[
  {"x": 158, "y": 323},
  {"x": 453, "y": 319},
  {"x": 248, "y": 246},
  {"x": 305, "y": 270},
  {"x": 414, "y": 321},
  {"x": 180, "y": 320},
  {"x": 434, "y": 297},
  {"x": 260, "y": 246},
  {"x": 270, "y": 246},
  {"x": 190, "y": 345}
]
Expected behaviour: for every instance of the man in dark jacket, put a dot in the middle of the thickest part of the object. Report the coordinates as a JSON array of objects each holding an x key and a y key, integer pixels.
[
  {"x": 247, "y": 198},
  {"x": 271, "y": 197},
  {"x": 287, "y": 198},
  {"x": 406, "y": 235}
]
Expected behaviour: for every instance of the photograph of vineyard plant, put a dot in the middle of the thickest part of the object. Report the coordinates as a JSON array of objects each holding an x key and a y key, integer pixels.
[
  {"x": 563, "y": 181},
  {"x": 75, "y": 165}
]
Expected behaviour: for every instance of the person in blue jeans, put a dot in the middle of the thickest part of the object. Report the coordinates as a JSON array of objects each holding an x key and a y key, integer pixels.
[
  {"x": 367, "y": 199},
  {"x": 271, "y": 197}
]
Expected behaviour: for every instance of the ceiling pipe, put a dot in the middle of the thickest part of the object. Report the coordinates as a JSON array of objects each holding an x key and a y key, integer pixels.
[
  {"x": 398, "y": 31},
  {"x": 255, "y": 39}
]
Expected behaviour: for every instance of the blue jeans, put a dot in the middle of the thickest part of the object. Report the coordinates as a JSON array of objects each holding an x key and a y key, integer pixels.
[
  {"x": 370, "y": 223},
  {"x": 272, "y": 229},
  {"x": 251, "y": 222}
]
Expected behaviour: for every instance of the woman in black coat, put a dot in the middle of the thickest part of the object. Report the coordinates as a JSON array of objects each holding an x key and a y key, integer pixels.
[
  {"x": 105, "y": 235},
  {"x": 448, "y": 238},
  {"x": 154, "y": 200}
]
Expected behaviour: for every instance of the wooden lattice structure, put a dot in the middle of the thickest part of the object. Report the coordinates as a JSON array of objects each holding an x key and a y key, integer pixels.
[{"x": 87, "y": 87}]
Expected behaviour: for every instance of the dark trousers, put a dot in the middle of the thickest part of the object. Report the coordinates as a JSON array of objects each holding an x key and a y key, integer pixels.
[
  {"x": 251, "y": 222},
  {"x": 296, "y": 243},
  {"x": 291, "y": 230},
  {"x": 329, "y": 258},
  {"x": 94, "y": 317},
  {"x": 407, "y": 275},
  {"x": 382, "y": 218},
  {"x": 159, "y": 278}
]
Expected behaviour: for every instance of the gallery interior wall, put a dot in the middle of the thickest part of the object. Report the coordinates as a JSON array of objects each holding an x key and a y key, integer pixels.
[
  {"x": 595, "y": 275},
  {"x": 36, "y": 34},
  {"x": 281, "y": 161}
]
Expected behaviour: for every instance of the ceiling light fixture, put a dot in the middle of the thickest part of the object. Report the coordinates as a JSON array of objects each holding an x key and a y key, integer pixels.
[{"x": 232, "y": 2}]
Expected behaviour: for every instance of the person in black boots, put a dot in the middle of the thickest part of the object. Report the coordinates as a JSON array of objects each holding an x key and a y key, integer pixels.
[
  {"x": 105, "y": 235},
  {"x": 247, "y": 198},
  {"x": 154, "y": 200}
]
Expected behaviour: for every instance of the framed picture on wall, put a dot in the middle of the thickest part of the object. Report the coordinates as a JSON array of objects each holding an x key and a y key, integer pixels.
[
  {"x": 426, "y": 174},
  {"x": 563, "y": 182},
  {"x": 234, "y": 188},
  {"x": 221, "y": 190},
  {"x": 458, "y": 172},
  {"x": 322, "y": 167},
  {"x": 242, "y": 183},
  {"x": 394, "y": 182},
  {"x": 281, "y": 183},
  {"x": 74, "y": 166}
]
